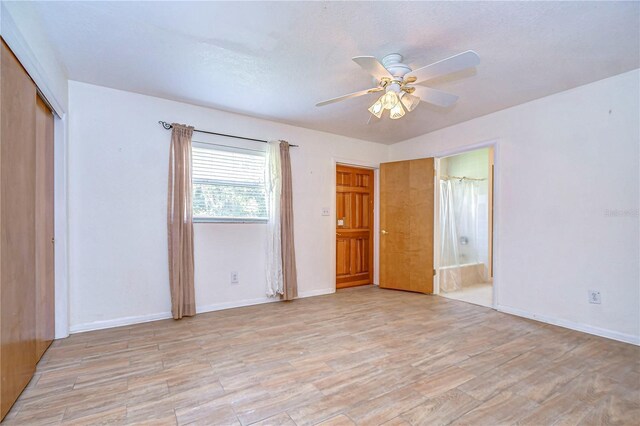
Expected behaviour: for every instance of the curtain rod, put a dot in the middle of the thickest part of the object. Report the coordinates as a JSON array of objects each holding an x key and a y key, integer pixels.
[
  {"x": 460, "y": 177},
  {"x": 169, "y": 126}
]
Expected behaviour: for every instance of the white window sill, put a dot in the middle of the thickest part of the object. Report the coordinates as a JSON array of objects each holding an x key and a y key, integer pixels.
[{"x": 227, "y": 220}]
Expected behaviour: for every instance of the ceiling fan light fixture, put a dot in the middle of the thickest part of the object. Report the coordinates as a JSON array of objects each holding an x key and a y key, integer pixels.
[
  {"x": 410, "y": 102},
  {"x": 389, "y": 99},
  {"x": 396, "y": 112},
  {"x": 377, "y": 109}
]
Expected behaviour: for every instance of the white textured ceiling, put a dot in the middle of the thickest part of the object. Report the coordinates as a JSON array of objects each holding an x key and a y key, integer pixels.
[{"x": 276, "y": 60}]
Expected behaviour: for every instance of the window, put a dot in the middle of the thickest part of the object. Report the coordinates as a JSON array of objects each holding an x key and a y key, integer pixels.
[{"x": 228, "y": 184}]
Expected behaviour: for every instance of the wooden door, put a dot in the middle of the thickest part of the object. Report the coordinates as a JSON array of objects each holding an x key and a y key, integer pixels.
[
  {"x": 354, "y": 227},
  {"x": 44, "y": 229},
  {"x": 406, "y": 225},
  {"x": 17, "y": 220}
]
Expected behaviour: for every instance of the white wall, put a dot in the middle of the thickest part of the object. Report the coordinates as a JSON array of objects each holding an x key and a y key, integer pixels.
[
  {"x": 118, "y": 159},
  {"x": 566, "y": 207}
]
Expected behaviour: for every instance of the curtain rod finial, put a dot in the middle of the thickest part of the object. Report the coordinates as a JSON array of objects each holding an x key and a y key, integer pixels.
[{"x": 165, "y": 124}]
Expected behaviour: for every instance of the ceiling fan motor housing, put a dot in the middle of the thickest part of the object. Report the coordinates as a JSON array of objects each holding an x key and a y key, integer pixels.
[{"x": 393, "y": 64}]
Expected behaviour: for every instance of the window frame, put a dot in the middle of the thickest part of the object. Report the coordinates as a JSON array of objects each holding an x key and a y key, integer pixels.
[{"x": 226, "y": 220}]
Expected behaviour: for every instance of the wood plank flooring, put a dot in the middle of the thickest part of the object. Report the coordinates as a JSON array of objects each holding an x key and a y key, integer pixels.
[{"x": 362, "y": 356}]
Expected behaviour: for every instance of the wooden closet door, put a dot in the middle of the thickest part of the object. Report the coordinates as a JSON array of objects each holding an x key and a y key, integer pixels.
[
  {"x": 44, "y": 228},
  {"x": 17, "y": 220}
]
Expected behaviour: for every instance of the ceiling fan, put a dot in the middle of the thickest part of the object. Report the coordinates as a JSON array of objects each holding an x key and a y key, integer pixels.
[{"x": 397, "y": 81}]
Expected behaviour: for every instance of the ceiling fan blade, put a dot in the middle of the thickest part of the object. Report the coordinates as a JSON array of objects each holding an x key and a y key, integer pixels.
[
  {"x": 435, "y": 97},
  {"x": 350, "y": 95},
  {"x": 371, "y": 65},
  {"x": 450, "y": 65}
]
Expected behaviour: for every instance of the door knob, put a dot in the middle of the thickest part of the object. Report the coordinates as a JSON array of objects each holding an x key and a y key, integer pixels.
[{"x": 384, "y": 232}]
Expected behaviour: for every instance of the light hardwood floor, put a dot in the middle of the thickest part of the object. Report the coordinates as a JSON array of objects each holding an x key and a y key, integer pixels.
[{"x": 361, "y": 356}]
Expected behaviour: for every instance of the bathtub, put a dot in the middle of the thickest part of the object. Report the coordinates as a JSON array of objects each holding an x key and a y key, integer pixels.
[{"x": 454, "y": 277}]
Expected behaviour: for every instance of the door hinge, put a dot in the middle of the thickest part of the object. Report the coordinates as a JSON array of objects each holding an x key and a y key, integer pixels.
[{"x": 434, "y": 272}]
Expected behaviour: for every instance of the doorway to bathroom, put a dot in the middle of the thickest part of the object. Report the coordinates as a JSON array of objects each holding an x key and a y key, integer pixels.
[{"x": 465, "y": 226}]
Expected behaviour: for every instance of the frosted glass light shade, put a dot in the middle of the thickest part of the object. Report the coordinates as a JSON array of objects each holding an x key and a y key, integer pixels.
[
  {"x": 410, "y": 101},
  {"x": 396, "y": 112},
  {"x": 389, "y": 99},
  {"x": 377, "y": 109}
]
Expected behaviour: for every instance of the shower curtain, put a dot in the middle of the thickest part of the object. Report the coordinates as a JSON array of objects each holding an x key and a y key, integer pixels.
[
  {"x": 450, "y": 279},
  {"x": 459, "y": 203}
]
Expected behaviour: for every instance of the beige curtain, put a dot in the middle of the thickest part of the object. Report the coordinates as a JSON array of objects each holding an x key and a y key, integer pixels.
[
  {"x": 180, "y": 223},
  {"x": 290, "y": 290}
]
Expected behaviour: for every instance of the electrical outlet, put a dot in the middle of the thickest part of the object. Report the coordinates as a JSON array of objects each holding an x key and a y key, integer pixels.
[
  {"x": 594, "y": 297},
  {"x": 325, "y": 211},
  {"x": 234, "y": 277}
]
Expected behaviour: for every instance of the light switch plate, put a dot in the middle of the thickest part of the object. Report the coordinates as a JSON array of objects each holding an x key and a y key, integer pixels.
[{"x": 325, "y": 211}]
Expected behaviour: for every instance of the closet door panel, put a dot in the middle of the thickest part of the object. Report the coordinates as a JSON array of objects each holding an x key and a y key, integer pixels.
[
  {"x": 44, "y": 228},
  {"x": 406, "y": 225},
  {"x": 17, "y": 238}
]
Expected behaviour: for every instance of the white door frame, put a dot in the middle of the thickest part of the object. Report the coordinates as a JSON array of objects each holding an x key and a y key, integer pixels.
[
  {"x": 376, "y": 212},
  {"x": 494, "y": 143}
]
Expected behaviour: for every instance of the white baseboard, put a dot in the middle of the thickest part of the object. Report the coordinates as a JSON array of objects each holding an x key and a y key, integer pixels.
[
  {"x": 312, "y": 293},
  {"x": 119, "y": 322},
  {"x": 585, "y": 328},
  {"x": 257, "y": 301},
  {"x": 235, "y": 304}
]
